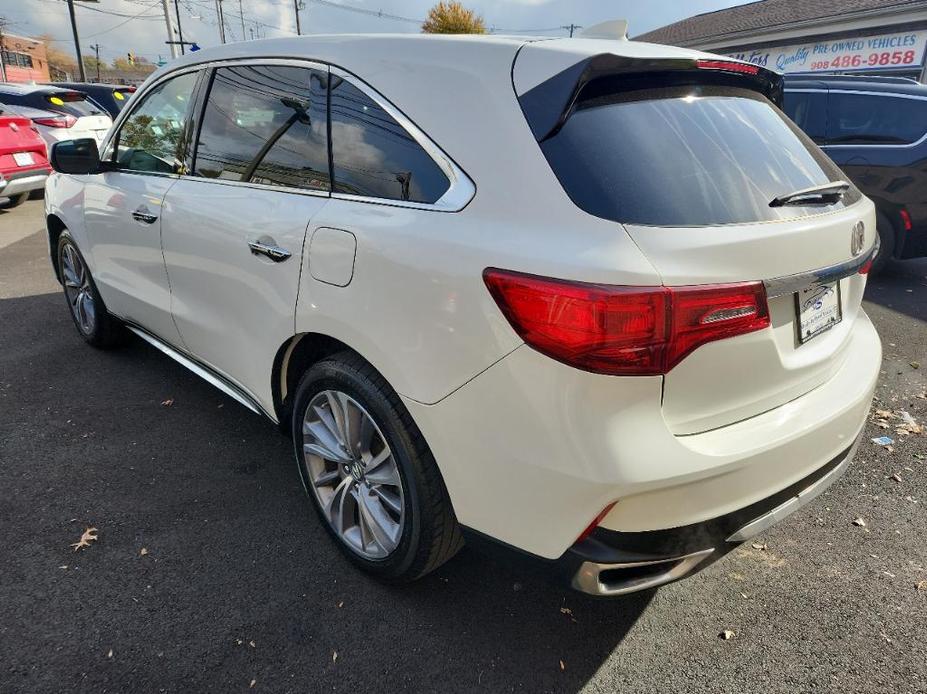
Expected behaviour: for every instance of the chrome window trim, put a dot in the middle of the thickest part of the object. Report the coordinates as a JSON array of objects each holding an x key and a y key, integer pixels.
[
  {"x": 790, "y": 284},
  {"x": 461, "y": 189},
  {"x": 862, "y": 92},
  {"x": 257, "y": 186}
]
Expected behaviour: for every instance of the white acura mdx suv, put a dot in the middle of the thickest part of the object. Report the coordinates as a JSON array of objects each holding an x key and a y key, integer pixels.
[{"x": 591, "y": 300}]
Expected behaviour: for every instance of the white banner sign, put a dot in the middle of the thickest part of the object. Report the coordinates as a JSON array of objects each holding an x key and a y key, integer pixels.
[{"x": 879, "y": 52}]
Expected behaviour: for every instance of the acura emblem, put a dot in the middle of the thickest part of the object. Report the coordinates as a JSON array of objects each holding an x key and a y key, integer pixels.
[{"x": 857, "y": 238}]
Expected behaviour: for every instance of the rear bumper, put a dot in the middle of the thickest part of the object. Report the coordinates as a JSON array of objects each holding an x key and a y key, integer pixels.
[
  {"x": 24, "y": 182},
  {"x": 609, "y": 563},
  {"x": 532, "y": 450}
]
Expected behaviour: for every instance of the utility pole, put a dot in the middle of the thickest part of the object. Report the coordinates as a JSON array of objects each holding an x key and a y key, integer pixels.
[
  {"x": 2, "y": 64},
  {"x": 221, "y": 20},
  {"x": 169, "y": 20},
  {"x": 96, "y": 50},
  {"x": 572, "y": 28},
  {"x": 241, "y": 12},
  {"x": 296, "y": 7},
  {"x": 179, "y": 28},
  {"x": 80, "y": 58}
]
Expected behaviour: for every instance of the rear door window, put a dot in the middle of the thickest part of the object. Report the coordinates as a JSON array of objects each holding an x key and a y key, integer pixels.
[
  {"x": 374, "y": 156},
  {"x": 687, "y": 156},
  {"x": 73, "y": 103},
  {"x": 875, "y": 119},
  {"x": 266, "y": 124},
  {"x": 809, "y": 111}
]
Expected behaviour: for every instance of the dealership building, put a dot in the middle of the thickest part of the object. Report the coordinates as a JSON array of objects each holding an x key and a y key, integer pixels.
[{"x": 874, "y": 37}]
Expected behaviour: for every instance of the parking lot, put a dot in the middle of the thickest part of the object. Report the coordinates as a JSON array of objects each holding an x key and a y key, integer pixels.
[{"x": 212, "y": 573}]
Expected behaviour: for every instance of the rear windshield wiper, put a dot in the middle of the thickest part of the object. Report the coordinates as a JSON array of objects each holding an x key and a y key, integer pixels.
[{"x": 826, "y": 194}]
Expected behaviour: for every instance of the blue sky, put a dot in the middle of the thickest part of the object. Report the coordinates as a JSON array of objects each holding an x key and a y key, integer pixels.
[{"x": 120, "y": 26}]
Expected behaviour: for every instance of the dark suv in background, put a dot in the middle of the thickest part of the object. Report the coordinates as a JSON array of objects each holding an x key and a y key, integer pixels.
[{"x": 875, "y": 129}]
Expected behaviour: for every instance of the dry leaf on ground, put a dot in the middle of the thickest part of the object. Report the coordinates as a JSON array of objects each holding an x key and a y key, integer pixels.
[
  {"x": 727, "y": 635},
  {"x": 89, "y": 535}
]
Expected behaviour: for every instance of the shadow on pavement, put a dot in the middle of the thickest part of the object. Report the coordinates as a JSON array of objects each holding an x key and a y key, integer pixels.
[
  {"x": 901, "y": 287},
  {"x": 238, "y": 581}
]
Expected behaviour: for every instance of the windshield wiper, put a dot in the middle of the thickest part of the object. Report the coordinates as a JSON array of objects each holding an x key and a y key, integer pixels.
[{"x": 826, "y": 194}]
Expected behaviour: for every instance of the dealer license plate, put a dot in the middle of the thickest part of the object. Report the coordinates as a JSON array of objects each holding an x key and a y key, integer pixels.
[
  {"x": 23, "y": 159},
  {"x": 818, "y": 310}
]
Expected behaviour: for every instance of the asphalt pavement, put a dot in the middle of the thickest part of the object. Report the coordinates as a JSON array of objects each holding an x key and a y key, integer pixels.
[{"x": 211, "y": 572}]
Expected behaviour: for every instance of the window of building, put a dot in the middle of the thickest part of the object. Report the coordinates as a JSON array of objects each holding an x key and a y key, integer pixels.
[{"x": 266, "y": 124}]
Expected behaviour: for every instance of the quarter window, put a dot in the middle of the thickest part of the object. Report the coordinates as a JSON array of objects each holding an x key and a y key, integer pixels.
[
  {"x": 374, "y": 156},
  {"x": 875, "y": 119},
  {"x": 152, "y": 137},
  {"x": 266, "y": 124}
]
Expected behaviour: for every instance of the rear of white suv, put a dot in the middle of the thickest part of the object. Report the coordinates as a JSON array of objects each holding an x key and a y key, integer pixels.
[{"x": 600, "y": 304}]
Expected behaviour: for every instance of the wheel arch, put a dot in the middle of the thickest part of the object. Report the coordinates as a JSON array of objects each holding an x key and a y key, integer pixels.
[{"x": 294, "y": 357}]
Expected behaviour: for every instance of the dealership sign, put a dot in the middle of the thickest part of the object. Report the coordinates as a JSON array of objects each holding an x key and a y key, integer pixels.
[{"x": 879, "y": 52}]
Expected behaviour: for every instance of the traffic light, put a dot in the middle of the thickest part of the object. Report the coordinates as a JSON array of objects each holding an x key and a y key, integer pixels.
[{"x": 131, "y": 58}]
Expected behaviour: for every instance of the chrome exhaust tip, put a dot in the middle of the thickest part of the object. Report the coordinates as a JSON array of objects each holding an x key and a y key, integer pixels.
[{"x": 620, "y": 579}]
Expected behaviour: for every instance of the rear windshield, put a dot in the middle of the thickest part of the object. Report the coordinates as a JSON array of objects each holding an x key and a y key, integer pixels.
[
  {"x": 73, "y": 103},
  {"x": 687, "y": 156}
]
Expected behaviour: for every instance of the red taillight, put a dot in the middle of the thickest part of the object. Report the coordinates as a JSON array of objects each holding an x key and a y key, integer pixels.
[
  {"x": 62, "y": 121},
  {"x": 906, "y": 219},
  {"x": 624, "y": 330},
  {"x": 728, "y": 65}
]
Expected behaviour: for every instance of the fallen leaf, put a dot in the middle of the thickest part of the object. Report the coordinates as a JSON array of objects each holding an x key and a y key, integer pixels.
[
  {"x": 885, "y": 414},
  {"x": 238, "y": 642},
  {"x": 762, "y": 546},
  {"x": 334, "y": 656},
  {"x": 861, "y": 522},
  {"x": 922, "y": 586},
  {"x": 88, "y": 536},
  {"x": 110, "y": 654},
  {"x": 143, "y": 552},
  {"x": 341, "y": 604},
  {"x": 251, "y": 643},
  {"x": 915, "y": 365},
  {"x": 727, "y": 635},
  {"x": 253, "y": 682},
  {"x": 168, "y": 402},
  {"x": 562, "y": 666},
  {"x": 896, "y": 477}
]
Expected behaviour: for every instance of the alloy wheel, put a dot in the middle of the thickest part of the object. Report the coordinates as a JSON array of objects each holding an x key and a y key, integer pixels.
[
  {"x": 77, "y": 289},
  {"x": 353, "y": 474}
]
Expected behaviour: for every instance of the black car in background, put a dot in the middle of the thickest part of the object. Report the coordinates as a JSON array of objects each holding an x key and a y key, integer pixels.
[
  {"x": 112, "y": 97},
  {"x": 875, "y": 129}
]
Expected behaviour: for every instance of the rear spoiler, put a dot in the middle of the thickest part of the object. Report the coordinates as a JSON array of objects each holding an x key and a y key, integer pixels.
[{"x": 548, "y": 105}]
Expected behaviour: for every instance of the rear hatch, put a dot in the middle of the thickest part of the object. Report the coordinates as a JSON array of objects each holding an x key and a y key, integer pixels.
[
  {"x": 21, "y": 148},
  {"x": 92, "y": 119},
  {"x": 691, "y": 156}
]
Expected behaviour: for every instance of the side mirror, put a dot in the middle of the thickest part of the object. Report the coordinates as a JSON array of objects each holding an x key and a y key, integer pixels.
[{"x": 76, "y": 156}]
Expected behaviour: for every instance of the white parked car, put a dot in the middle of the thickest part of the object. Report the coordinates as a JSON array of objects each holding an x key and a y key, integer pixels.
[
  {"x": 59, "y": 114},
  {"x": 593, "y": 300}
]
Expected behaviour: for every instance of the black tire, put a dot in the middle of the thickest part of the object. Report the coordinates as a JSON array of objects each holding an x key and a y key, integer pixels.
[
  {"x": 14, "y": 201},
  {"x": 887, "y": 247},
  {"x": 105, "y": 331},
  {"x": 430, "y": 534}
]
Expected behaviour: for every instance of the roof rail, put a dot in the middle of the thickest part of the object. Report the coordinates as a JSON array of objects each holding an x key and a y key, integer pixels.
[{"x": 615, "y": 29}]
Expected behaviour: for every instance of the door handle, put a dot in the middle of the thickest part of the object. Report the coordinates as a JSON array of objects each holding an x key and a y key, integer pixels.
[
  {"x": 273, "y": 252},
  {"x": 144, "y": 217}
]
